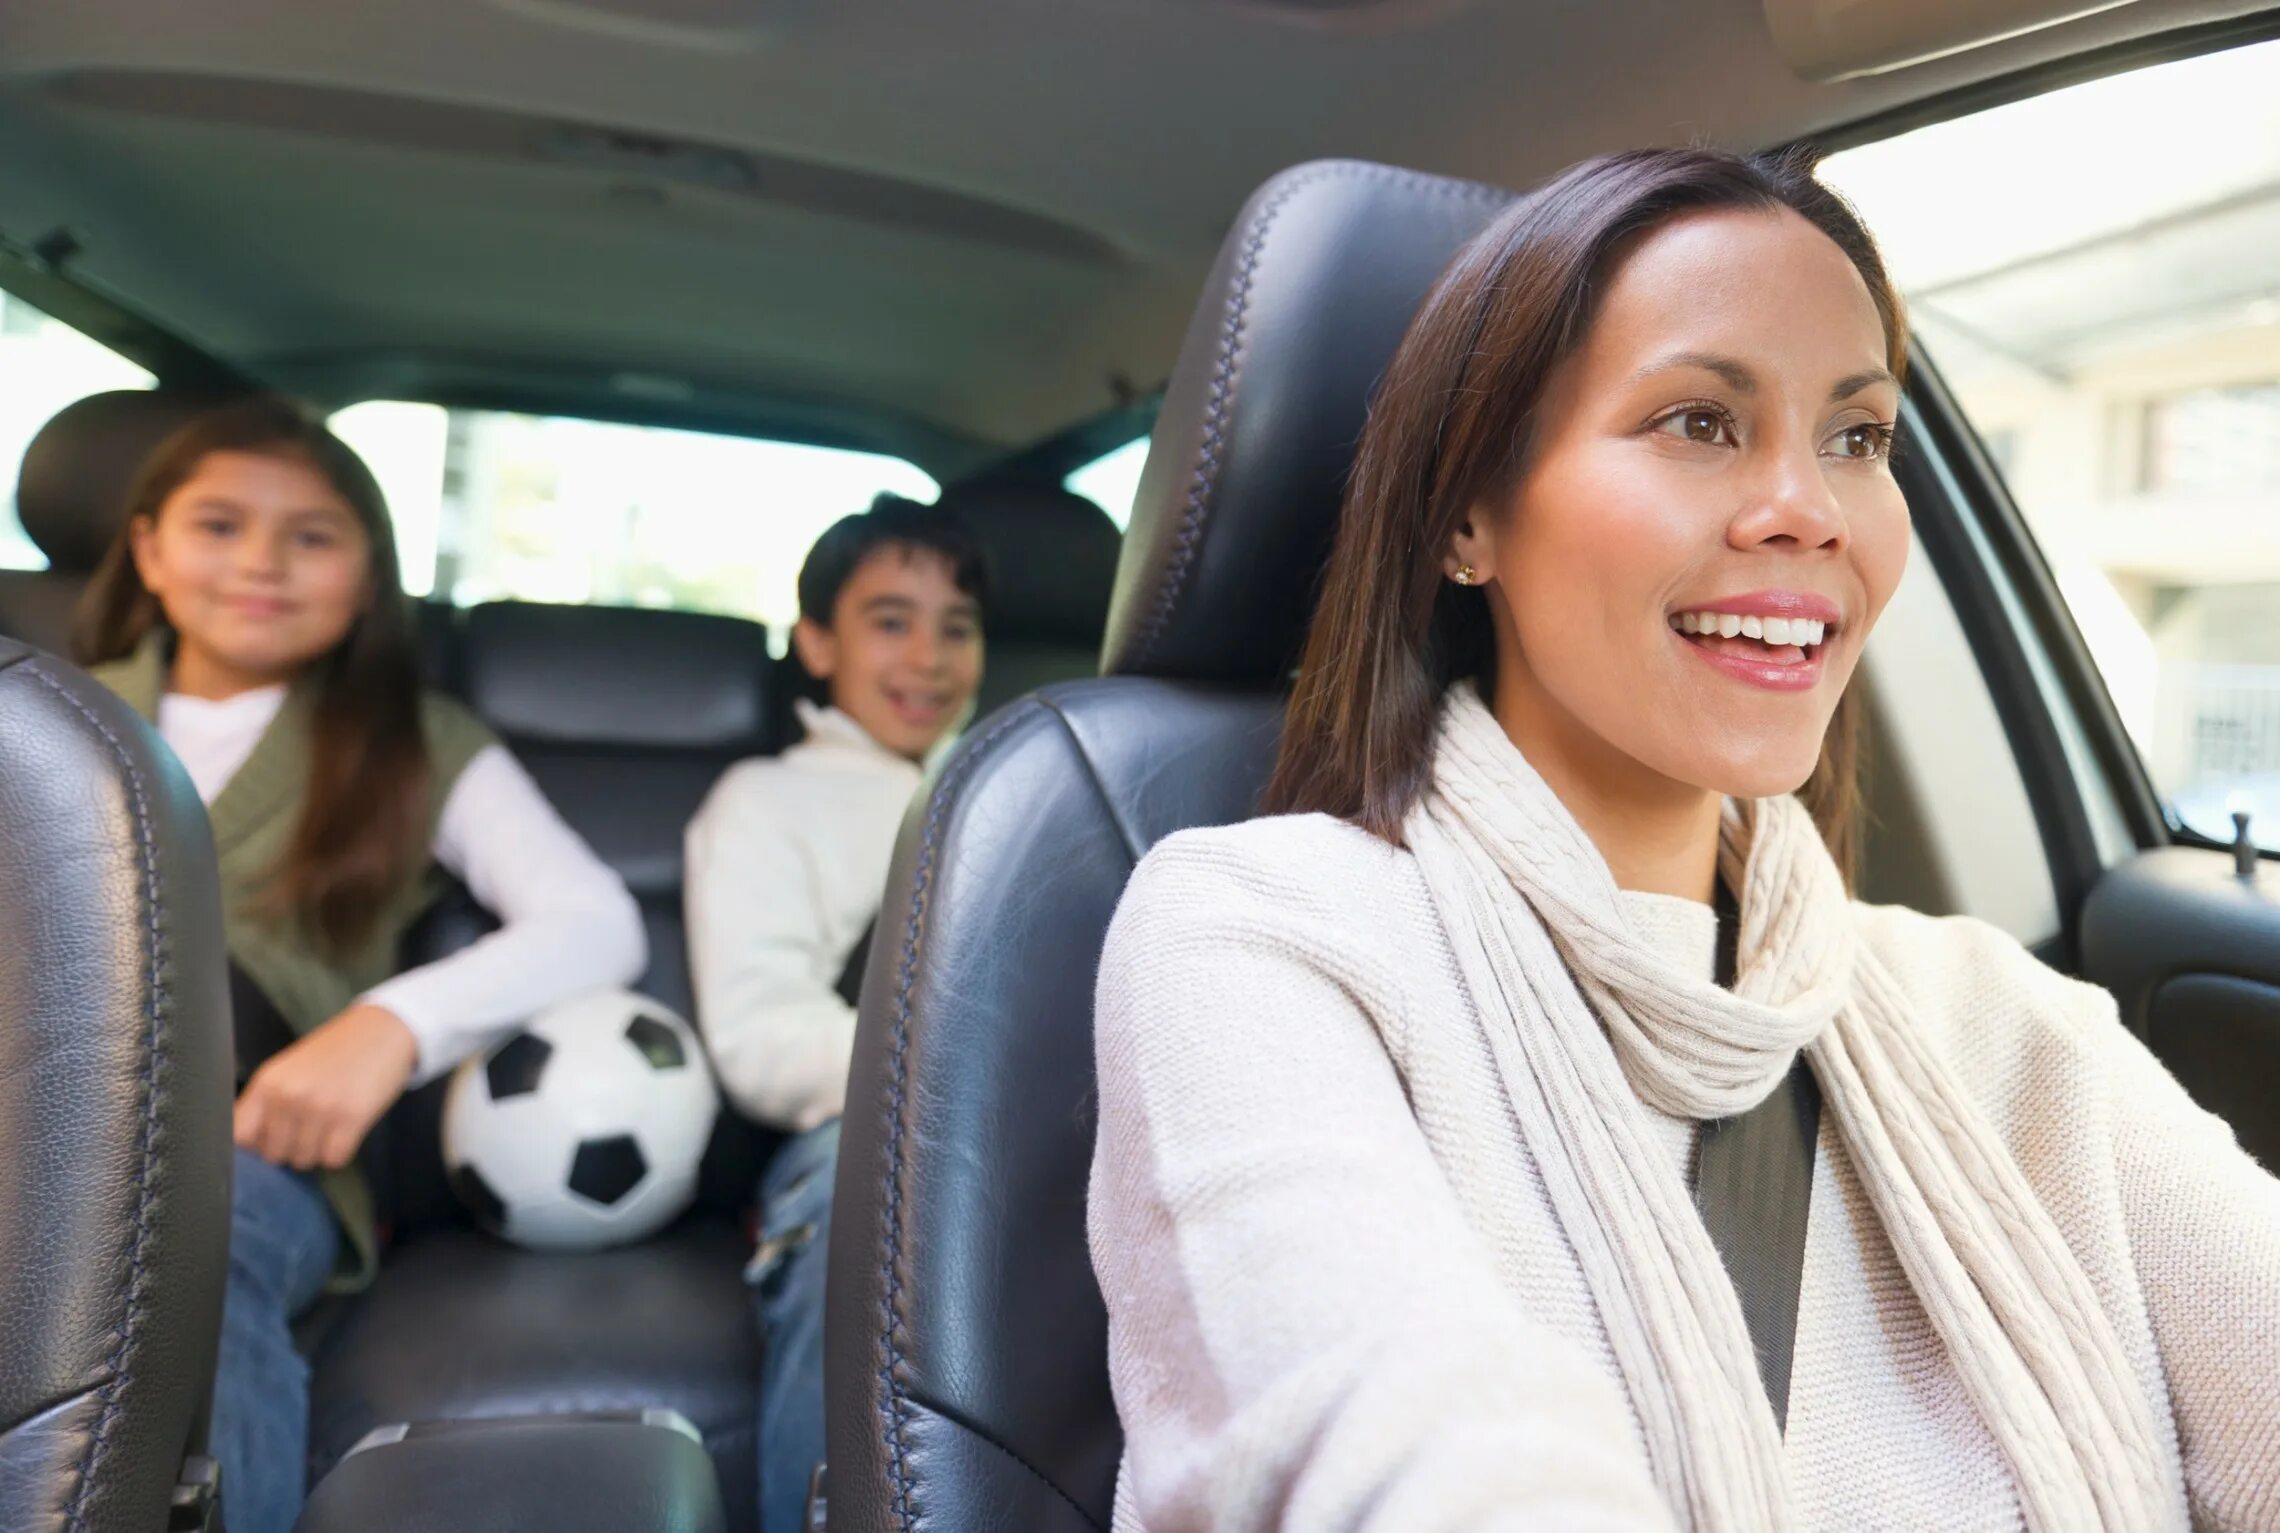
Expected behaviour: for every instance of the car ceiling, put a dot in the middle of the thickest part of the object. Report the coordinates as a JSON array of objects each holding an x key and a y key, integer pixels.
[{"x": 942, "y": 227}]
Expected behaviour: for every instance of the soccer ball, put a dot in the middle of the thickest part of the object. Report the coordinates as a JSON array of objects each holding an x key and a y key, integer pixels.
[{"x": 585, "y": 1129}]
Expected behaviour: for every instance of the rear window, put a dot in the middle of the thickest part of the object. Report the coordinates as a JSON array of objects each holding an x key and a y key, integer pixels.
[
  {"x": 491, "y": 505},
  {"x": 1111, "y": 480},
  {"x": 44, "y": 365}
]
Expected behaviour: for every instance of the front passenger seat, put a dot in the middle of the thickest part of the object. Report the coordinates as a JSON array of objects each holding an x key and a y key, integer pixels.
[
  {"x": 114, "y": 1111},
  {"x": 966, "y": 1346}
]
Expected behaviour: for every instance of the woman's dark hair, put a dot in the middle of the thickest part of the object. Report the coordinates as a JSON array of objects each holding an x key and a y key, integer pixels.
[
  {"x": 363, "y": 828},
  {"x": 891, "y": 522},
  {"x": 1449, "y": 430}
]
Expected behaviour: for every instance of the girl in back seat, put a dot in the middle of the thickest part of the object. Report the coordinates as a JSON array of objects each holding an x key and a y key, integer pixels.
[
  {"x": 251, "y": 609},
  {"x": 787, "y": 863}
]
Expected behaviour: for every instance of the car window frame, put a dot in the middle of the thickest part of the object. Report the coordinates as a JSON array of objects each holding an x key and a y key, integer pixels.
[{"x": 2095, "y": 801}]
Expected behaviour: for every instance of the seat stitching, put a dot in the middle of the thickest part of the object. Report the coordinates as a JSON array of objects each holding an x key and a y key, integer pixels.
[
  {"x": 154, "y": 1062},
  {"x": 894, "y": 1403},
  {"x": 1204, "y": 483},
  {"x": 960, "y": 1421}
]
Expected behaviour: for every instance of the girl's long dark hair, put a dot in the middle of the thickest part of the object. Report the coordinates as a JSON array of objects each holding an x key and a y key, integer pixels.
[
  {"x": 362, "y": 833},
  {"x": 1449, "y": 428}
]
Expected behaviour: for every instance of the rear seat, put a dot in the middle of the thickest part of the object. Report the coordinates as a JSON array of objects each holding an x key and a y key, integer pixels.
[
  {"x": 1052, "y": 556},
  {"x": 624, "y": 718}
]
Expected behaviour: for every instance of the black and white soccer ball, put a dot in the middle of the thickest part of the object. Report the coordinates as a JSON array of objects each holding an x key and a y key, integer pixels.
[{"x": 585, "y": 1129}]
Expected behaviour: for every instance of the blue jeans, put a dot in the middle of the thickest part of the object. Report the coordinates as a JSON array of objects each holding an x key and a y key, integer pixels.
[
  {"x": 283, "y": 1243},
  {"x": 787, "y": 1278}
]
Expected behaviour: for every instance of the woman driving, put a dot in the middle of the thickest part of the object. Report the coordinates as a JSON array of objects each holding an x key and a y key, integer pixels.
[{"x": 1417, "y": 1202}]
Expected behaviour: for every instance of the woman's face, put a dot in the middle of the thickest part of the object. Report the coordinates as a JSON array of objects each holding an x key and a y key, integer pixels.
[
  {"x": 1707, "y": 527},
  {"x": 260, "y": 564}
]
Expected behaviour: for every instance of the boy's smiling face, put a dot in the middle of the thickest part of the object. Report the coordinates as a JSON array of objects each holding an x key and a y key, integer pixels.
[{"x": 903, "y": 653}]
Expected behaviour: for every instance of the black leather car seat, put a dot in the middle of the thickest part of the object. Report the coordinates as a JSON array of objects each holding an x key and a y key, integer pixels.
[
  {"x": 1052, "y": 557},
  {"x": 624, "y": 717},
  {"x": 114, "y": 1108},
  {"x": 968, "y": 1383},
  {"x": 71, "y": 495}
]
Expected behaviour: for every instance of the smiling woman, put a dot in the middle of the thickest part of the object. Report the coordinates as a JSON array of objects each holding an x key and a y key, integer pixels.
[
  {"x": 1573, "y": 497},
  {"x": 1463, "y": 1157}
]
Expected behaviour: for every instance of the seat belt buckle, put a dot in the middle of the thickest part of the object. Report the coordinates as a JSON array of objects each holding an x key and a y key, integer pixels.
[
  {"x": 817, "y": 1512},
  {"x": 196, "y": 1506}
]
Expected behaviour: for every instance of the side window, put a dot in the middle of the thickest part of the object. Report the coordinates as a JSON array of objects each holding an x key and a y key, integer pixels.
[
  {"x": 44, "y": 365},
  {"x": 2108, "y": 316},
  {"x": 1111, "y": 480},
  {"x": 491, "y": 505}
]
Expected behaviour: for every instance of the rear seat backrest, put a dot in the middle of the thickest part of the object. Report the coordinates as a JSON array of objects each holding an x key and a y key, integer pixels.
[
  {"x": 625, "y": 717},
  {"x": 1052, "y": 561}
]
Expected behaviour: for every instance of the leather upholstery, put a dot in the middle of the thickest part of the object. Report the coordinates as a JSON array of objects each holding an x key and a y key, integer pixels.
[
  {"x": 530, "y": 1476},
  {"x": 37, "y": 608},
  {"x": 1052, "y": 557},
  {"x": 959, "y": 1269},
  {"x": 624, "y": 718},
  {"x": 460, "y": 1326},
  {"x": 71, "y": 494},
  {"x": 1232, "y": 523},
  {"x": 114, "y": 1107},
  {"x": 966, "y": 1348},
  {"x": 642, "y": 678}
]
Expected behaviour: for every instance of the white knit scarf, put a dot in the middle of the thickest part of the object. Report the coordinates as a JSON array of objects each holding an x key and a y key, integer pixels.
[{"x": 1585, "y": 1021}]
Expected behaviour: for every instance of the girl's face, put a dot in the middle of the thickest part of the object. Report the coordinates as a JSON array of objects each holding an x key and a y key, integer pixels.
[
  {"x": 261, "y": 567},
  {"x": 1707, "y": 526},
  {"x": 903, "y": 654}
]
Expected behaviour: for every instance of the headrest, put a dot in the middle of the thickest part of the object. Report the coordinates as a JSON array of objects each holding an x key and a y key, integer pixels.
[
  {"x": 616, "y": 676},
  {"x": 1232, "y": 525},
  {"x": 1052, "y": 559},
  {"x": 72, "y": 492}
]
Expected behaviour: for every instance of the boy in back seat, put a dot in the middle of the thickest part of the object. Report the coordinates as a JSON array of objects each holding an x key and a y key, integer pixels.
[{"x": 787, "y": 862}]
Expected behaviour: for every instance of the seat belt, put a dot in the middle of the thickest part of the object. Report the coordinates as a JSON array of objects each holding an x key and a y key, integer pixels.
[
  {"x": 850, "y": 986},
  {"x": 258, "y": 1029},
  {"x": 1753, "y": 1185}
]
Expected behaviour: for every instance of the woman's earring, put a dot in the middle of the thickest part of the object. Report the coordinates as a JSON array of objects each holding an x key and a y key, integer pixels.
[{"x": 1465, "y": 575}]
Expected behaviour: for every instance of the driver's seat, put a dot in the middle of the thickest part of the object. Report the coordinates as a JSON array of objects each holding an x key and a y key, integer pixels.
[
  {"x": 966, "y": 1342},
  {"x": 114, "y": 1114}
]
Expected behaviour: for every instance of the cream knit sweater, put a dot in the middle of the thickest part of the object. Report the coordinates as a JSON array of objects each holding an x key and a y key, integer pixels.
[{"x": 1338, "y": 1297}]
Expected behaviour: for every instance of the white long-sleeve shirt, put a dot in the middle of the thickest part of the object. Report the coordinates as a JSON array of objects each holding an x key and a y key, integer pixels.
[
  {"x": 566, "y": 922},
  {"x": 786, "y": 864}
]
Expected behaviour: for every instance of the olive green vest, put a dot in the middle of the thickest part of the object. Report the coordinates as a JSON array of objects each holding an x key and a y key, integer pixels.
[{"x": 253, "y": 817}]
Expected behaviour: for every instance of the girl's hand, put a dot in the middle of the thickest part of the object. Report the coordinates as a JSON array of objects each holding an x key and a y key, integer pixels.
[{"x": 312, "y": 1104}]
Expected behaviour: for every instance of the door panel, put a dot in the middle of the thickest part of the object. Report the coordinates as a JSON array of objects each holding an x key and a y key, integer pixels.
[{"x": 2191, "y": 952}]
